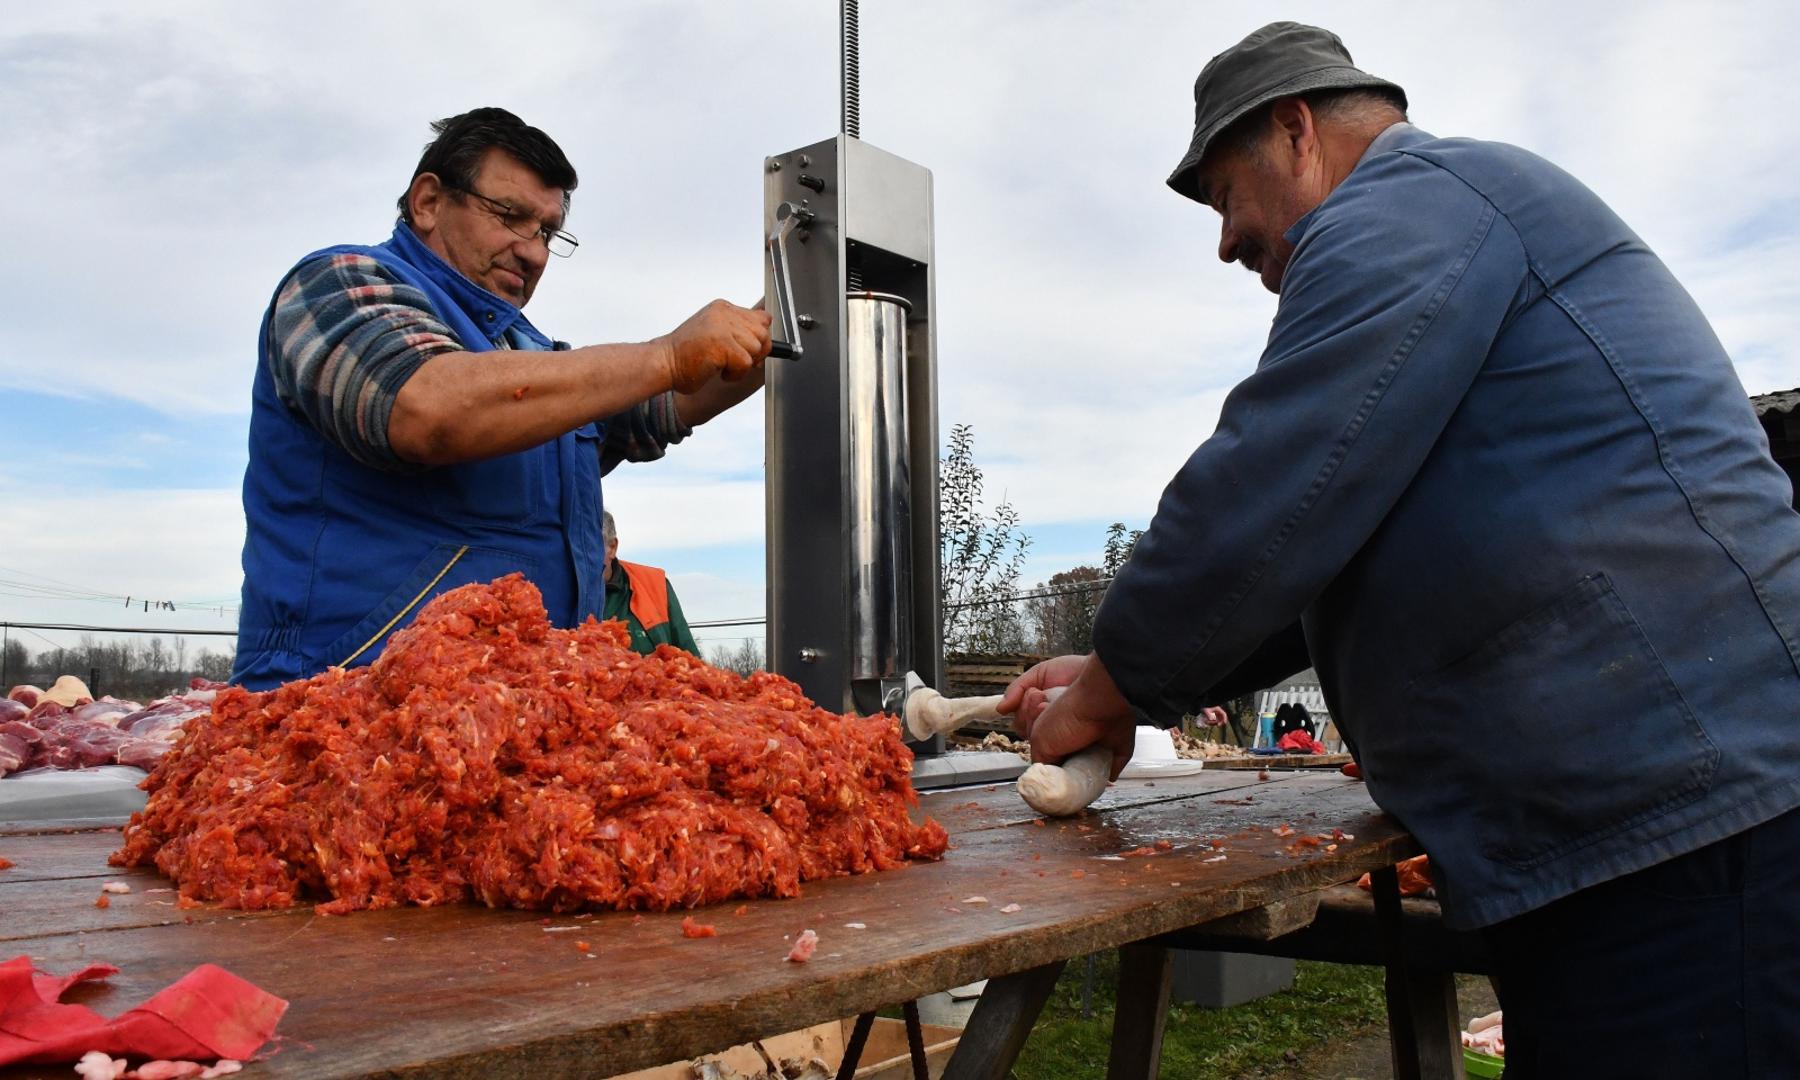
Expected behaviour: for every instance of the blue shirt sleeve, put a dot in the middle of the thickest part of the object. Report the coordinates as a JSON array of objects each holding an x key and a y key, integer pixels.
[{"x": 1397, "y": 288}]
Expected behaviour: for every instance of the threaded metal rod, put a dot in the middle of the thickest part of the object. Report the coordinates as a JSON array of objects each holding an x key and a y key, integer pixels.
[{"x": 852, "y": 74}]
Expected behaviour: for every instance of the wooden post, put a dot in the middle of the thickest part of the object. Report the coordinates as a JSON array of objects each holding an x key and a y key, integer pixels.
[
  {"x": 1000, "y": 1024},
  {"x": 1146, "y": 973},
  {"x": 1422, "y": 1022}
]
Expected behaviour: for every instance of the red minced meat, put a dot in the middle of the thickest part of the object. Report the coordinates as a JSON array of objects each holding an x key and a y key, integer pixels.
[{"x": 488, "y": 756}]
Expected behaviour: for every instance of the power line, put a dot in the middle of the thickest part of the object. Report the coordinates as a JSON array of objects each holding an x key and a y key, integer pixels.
[
  {"x": 28, "y": 585},
  {"x": 82, "y": 628}
]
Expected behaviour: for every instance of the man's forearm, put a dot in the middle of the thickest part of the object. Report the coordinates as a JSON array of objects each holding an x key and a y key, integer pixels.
[
  {"x": 715, "y": 397},
  {"x": 466, "y": 406}
]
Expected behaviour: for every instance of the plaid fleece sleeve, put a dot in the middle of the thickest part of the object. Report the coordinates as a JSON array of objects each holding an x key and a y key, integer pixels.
[
  {"x": 643, "y": 432},
  {"x": 344, "y": 336}
]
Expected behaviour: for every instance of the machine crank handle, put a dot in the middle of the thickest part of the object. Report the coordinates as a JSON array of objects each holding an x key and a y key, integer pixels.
[{"x": 788, "y": 217}]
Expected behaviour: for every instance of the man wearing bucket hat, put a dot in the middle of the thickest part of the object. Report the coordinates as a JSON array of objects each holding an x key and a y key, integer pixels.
[{"x": 1482, "y": 387}]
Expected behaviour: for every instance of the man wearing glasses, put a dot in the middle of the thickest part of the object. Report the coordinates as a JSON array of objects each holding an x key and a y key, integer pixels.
[{"x": 411, "y": 431}]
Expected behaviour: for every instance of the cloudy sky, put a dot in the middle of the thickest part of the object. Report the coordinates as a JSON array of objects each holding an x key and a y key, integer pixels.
[{"x": 166, "y": 164}]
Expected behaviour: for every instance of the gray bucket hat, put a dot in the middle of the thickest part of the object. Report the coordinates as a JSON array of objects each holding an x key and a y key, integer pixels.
[{"x": 1280, "y": 60}]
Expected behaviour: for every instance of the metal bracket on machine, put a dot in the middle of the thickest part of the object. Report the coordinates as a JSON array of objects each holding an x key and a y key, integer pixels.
[{"x": 788, "y": 217}]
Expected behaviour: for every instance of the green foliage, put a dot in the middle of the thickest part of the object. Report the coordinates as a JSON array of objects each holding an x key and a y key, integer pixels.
[
  {"x": 1328, "y": 1003},
  {"x": 1120, "y": 543},
  {"x": 982, "y": 554}
]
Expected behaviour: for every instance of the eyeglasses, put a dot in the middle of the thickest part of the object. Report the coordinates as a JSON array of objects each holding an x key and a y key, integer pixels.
[{"x": 523, "y": 224}]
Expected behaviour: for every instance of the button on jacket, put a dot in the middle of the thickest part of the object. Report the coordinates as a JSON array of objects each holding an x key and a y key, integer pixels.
[{"x": 1495, "y": 477}]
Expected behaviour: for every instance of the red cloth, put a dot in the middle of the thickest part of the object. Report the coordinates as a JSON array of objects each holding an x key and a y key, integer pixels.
[
  {"x": 207, "y": 1014},
  {"x": 1299, "y": 742}
]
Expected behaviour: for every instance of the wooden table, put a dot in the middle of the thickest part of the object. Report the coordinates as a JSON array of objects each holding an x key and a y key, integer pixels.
[{"x": 465, "y": 991}]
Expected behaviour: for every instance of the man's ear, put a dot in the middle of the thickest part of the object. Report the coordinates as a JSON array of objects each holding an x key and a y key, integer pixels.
[
  {"x": 1299, "y": 136},
  {"x": 426, "y": 198}
]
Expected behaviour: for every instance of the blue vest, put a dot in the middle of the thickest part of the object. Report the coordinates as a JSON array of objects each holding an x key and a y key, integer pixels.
[{"x": 338, "y": 555}]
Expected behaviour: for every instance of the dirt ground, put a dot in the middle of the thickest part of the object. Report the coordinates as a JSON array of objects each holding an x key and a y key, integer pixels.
[{"x": 1367, "y": 1058}]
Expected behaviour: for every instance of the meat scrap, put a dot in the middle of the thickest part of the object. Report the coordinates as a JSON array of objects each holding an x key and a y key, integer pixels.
[
  {"x": 99, "y": 1065},
  {"x": 1414, "y": 875},
  {"x": 804, "y": 946},
  {"x": 487, "y": 756},
  {"x": 55, "y": 735}
]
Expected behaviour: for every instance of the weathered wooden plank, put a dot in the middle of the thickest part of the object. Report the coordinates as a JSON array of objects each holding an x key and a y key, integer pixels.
[
  {"x": 50, "y": 856},
  {"x": 45, "y": 908},
  {"x": 1266, "y": 923},
  {"x": 463, "y": 991},
  {"x": 60, "y": 825},
  {"x": 995, "y": 806},
  {"x": 1345, "y": 931}
]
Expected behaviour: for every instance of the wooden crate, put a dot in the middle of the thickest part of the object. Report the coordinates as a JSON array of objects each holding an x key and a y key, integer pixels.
[{"x": 885, "y": 1056}]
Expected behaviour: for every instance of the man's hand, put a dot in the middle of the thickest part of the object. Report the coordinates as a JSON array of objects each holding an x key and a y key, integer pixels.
[
  {"x": 721, "y": 338},
  {"x": 1091, "y": 711}
]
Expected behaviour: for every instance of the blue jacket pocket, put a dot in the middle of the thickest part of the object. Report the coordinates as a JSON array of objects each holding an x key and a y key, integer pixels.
[{"x": 1522, "y": 732}]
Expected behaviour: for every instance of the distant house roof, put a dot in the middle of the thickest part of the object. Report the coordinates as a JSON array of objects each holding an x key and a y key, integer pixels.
[{"x": 1782, "y": 401}]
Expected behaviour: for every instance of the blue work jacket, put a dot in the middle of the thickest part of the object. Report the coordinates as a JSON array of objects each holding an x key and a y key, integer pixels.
[
  {"x": 338, "y": 555},
  {"x": 1495, "y": 477}
]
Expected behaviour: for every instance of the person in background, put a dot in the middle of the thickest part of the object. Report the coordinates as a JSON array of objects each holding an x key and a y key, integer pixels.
[{"x": 642, "y": 598}]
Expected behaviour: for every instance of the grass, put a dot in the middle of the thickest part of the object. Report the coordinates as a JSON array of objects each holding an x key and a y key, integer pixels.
[{"x": 1328, "y": 1003}]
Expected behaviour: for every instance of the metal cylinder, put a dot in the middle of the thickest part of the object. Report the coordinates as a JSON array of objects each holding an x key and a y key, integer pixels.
[{"x": 879, "y": 486}]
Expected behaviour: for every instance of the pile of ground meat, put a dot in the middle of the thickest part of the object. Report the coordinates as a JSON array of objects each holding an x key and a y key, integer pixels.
[{"x": 488, "y": 756}]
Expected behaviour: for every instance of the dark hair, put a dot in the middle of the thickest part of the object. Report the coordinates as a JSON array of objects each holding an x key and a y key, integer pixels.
[
  {"x": 1357, "y": 103},
  {"x": 462, "y": 140}
]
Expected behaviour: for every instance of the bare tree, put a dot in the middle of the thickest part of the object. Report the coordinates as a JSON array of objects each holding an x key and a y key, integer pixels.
[
  {"x": 1064, "y": 618},
  {"x": 745, "y": 657}
]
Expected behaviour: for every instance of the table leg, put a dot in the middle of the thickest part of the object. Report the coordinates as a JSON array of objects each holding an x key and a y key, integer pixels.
[
  {"x": 859, "y": 1035},
  {"x": 1002, "y": 1020},
  {"x": 915, "y": 1042},
  {"x": 1146, "y": 973},
  {"x": 1422, "y": 1021}
]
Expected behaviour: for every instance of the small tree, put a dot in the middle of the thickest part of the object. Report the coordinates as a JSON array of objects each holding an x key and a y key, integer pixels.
[
  {"x": 1064, "y": 619},
  {"x": 1120, "y": 543},
  {"x": 744, "y": 658},
  {"x": 981, "y": 556},
  {"x": 215, "y": 665},
  {"x": 15, "y": 664}
]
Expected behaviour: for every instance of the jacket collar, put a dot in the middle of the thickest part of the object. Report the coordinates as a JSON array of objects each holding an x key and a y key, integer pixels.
[
  {"x": 1394, "y": 137},
  {"x": 495, "y": 316}
]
